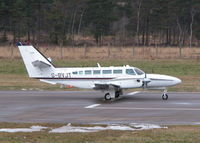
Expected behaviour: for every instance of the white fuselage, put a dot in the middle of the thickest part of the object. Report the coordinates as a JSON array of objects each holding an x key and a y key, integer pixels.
[{"x": 124, "y": 77}]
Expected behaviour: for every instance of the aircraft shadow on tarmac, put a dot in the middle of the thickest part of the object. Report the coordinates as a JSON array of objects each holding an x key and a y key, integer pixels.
[
  {"x": 100, "y": 100},
  {"x": 96, "y": 97},
  {"x": 151, "y": 97},
  {"x": 135, "y": 98}
]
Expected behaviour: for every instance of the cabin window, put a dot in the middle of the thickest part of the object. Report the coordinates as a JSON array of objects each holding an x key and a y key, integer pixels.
[
  {"x": 80, "y": 72},
  {"x": 130, "y": 71},
  {"x": 107, "y": 71},
  {"x": 96, "y": 71},
  {"x": 88, "y": 72},
  {"x": 75, "y": 72},
  {"x": 139, "y": 72},
  {"x": 117, "y": 71}
]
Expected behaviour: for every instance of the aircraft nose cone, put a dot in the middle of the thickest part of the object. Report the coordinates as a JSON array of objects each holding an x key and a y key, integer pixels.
[{"x": 177, "y": 81}]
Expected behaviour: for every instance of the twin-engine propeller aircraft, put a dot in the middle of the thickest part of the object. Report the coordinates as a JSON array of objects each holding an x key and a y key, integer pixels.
[{"x": 110, "y": 80}]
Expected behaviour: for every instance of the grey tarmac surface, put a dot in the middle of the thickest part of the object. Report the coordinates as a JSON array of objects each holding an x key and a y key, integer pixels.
[{"x": 89, "y": 107}]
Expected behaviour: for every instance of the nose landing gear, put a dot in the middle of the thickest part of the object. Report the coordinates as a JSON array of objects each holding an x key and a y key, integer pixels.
[{"x": 165, "y": 95}]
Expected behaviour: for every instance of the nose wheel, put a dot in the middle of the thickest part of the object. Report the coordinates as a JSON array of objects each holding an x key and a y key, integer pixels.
[{"x": 164, "y": 96}]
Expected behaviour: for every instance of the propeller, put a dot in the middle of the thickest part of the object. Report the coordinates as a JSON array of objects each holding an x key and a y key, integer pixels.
[{"x": 145, "y": 81}]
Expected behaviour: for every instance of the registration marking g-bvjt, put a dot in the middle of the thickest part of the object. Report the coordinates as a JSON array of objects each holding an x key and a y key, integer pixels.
[{"x": 61, "y": 75}]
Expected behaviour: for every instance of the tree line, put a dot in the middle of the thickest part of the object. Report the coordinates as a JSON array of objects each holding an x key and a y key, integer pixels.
[{"x": 101, "y": 22}]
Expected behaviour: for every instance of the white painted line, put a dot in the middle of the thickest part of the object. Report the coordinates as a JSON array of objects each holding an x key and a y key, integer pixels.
[
  {"x": 133, "y": 93},
  {"x": 129, "y": 108},
  {"x": 183, "y": 103},
  {"x": 92, "y": 106}
]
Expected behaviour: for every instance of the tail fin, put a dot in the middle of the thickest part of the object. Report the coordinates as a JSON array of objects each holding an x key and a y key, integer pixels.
[{"x": 37, "y": 65}]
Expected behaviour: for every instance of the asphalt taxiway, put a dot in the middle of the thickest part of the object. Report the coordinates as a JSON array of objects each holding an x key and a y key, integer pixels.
[{"x": 88, "y": 107}]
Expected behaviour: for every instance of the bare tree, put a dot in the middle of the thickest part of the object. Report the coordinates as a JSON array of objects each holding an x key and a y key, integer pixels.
[
  {"x": 180, "y": 37},
  {"x": 192, "y": 14},
  {"x": 138, "y": 21},
  {"x": 72, "y": 28},
  {"x": 80, "y": 21}
]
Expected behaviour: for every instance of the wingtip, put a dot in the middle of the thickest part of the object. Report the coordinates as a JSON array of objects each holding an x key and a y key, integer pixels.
[
  {"x": 23, "y": 43},
  {"x": 19, "y": 43}
]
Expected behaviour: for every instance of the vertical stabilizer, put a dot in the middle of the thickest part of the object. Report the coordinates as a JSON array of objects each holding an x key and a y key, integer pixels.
[{"x": 37, "y": 65}]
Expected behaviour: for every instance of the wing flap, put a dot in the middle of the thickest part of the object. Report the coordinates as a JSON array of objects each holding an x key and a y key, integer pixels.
[{"x": 105, "y": 86}]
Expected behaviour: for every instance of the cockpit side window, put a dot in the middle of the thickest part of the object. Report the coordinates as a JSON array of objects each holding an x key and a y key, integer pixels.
[
  {"x": 130, "y": 72},
  {"x": 139, "y": 72}
]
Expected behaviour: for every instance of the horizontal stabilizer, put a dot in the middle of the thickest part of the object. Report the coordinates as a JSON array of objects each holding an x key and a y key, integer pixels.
[
  {"x": 156, "y": 88},
  {"x": 40, "y": 64}
]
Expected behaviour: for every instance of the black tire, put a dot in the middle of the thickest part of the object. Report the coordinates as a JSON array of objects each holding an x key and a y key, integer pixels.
[
  {"x": 117, "y": 94},
  {"x": 107, "y": 96},
  {"x": 165, "y": 96}
]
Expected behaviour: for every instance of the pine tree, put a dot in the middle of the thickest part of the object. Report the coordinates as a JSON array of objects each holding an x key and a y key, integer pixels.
[{"x": 99, "y": 16}]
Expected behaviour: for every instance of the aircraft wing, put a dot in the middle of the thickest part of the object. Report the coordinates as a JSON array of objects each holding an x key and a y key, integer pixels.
[
  {"x": 40, "y": 64},
  {"x": 115, "y": 83},
  {"x": 105, "y": 86}
]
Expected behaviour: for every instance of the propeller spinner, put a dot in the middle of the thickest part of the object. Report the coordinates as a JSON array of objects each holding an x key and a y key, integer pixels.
[{"x": 145, "y": 81}]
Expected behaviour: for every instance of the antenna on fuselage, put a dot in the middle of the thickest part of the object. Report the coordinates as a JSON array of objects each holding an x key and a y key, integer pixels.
[{"x": 98, "y": 65}]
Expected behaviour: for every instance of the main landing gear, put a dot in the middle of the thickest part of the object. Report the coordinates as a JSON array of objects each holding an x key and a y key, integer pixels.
[
  {"x": 113, "y": 95},
  {"x": 107, "y": 96},
  {"x": 165, "y": 95}
]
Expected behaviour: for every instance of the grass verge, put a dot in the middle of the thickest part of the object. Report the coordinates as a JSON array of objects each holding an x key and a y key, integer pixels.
[
  {"x": 13, "y": 74},
  {"x": 174, "y": 134}
]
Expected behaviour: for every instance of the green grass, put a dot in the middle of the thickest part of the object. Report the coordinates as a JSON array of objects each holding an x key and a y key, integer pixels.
[
  {"x": 13, "y": 75},
  {"x": 15, "y": 66},
  {"x": 171, "y": 67},
  {"x": 174, "y": 134}
]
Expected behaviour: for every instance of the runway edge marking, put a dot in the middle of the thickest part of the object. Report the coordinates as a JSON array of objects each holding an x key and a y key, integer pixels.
[
  {"x": 92, "y": 106},
  {"x": 129, "y": 108}
]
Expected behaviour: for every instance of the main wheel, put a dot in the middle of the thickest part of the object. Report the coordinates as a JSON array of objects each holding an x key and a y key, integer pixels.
[
  {"x": 117, "y": 94},
  {"x": 107, "y": 96},
  {"x": 164, "y": 96}
]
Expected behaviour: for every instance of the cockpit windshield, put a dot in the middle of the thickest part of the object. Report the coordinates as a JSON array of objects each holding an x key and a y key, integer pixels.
[
  {"x": 138, "y": 71},
  {"x": 130, "y": 72}
]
